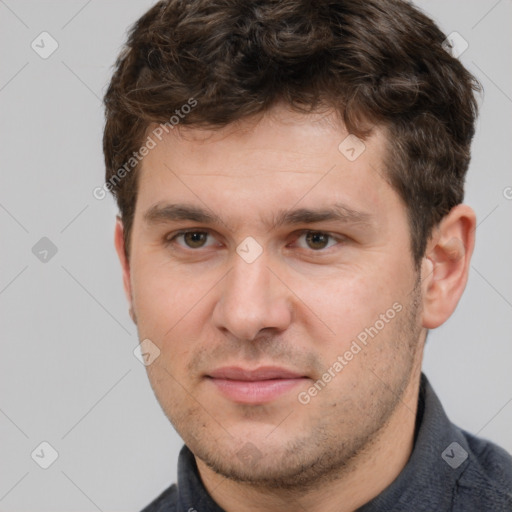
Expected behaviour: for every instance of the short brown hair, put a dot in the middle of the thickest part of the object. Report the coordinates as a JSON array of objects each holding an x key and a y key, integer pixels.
[{"x": 375, "y": 62}]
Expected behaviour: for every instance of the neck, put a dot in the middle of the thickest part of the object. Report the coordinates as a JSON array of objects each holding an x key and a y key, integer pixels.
[{"x": 372, "y": 471}]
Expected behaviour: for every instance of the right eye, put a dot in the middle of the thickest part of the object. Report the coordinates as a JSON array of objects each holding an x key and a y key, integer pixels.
[{"x": 191, "y": 239}]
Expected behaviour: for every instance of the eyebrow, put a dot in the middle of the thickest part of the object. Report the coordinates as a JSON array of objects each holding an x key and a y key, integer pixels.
[{"x": 162, "y": 213}]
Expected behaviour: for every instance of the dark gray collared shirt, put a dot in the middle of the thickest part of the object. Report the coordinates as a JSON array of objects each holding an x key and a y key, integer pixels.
[{"x": 449, "y": 470}]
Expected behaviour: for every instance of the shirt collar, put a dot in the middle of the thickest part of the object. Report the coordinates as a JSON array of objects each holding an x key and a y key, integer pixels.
[{"x": 430, "y": 475}]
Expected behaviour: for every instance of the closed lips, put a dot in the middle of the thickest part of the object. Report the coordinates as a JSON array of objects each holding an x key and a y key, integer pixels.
[{"x": 258, "y": 374}]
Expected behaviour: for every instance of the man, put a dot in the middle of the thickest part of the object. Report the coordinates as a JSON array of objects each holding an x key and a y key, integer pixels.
[{"x": 290, "y": 179}]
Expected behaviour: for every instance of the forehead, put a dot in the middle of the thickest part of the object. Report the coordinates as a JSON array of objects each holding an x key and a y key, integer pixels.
[
  {"x": 267, "y": 163},
  {"x": 302, "y": 137}
]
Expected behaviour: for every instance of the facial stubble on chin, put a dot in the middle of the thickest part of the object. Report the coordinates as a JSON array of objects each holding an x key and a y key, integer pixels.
[{"x": 322, "y": 454}]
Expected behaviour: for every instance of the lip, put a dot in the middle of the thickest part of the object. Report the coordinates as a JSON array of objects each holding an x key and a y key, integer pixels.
[
  {"x": 256, "y": 386},
  {"x": 258, "y": 374}
]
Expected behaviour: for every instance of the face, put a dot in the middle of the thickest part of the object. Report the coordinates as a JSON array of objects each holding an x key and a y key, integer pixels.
[{"x": 275, "y": 277}]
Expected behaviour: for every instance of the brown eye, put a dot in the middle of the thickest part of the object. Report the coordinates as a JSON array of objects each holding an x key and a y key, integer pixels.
[
  {"x": 195, "y": 239},
  {"x": 317, "y": 240}
]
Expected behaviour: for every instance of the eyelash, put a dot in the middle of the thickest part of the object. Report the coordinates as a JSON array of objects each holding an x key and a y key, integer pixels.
[{"x": 171, "y": 240}]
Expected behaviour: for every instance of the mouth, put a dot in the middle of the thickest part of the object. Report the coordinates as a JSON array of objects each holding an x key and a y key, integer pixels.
[{"x": 256, "y": 386}]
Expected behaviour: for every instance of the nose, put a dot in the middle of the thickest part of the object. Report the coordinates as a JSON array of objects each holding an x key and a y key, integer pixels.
[{"x": 251, "y": 299}]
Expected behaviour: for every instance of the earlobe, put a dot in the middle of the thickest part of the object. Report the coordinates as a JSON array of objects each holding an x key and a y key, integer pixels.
[
  {"x": 445, "y": 267},
  {"x": 119, "y": 243}
]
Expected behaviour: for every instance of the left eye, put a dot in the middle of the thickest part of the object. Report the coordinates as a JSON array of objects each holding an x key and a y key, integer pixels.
[{"x": 317, "y": 240}]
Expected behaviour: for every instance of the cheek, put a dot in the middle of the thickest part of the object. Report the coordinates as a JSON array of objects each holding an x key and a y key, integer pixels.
[
  {"x": 346, "y": 303},
  {"x": 165, "y": 297}
]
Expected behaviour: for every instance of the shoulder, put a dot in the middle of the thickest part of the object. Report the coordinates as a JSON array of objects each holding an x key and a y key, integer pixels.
[
  {"x": 166, "y": 502},
  {"x": 486, "y": 482}
]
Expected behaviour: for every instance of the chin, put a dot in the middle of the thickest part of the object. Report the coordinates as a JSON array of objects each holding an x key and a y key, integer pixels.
[{"x": 293, "y": 465}]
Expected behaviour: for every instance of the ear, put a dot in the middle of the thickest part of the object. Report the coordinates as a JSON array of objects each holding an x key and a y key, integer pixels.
[
  {"x": 445, "y": 266},
  {"x": 125, "y": 264}
]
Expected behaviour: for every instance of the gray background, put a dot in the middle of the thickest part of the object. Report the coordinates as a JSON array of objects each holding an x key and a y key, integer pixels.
[{"x": 68, "y": 375}]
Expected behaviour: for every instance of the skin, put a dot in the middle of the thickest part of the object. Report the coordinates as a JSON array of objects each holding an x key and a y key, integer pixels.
[{"x": 299, "y": 305}]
